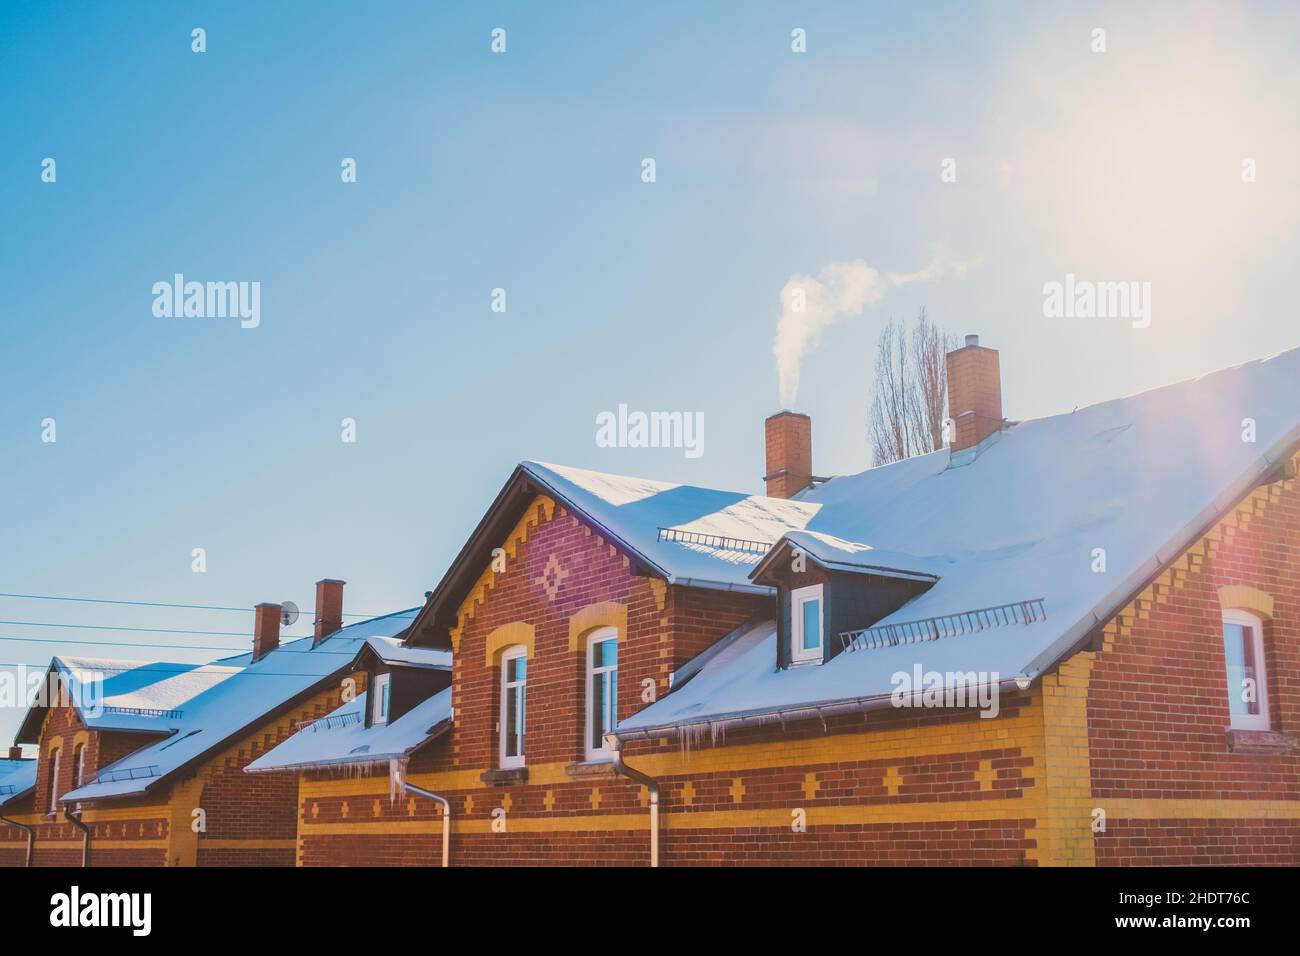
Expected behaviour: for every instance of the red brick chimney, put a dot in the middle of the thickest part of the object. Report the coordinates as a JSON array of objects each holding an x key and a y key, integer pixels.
[
  {"x": 15, "y": 753},
  {"x": 266, "y": 629},
  {"x": 789, "y": 454},
  {"x": 974, "y": 393},
  {"x": 329, "y": 607}
]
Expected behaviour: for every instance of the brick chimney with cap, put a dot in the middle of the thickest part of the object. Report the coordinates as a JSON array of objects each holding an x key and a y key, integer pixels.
[
  {"x": 974, "y": 393},
  {"x": 789, "y": 454},
  {"x": 329, "y": 608},
  {"x": 15, "y": 753},
  {"x": 266, "y": 629}
]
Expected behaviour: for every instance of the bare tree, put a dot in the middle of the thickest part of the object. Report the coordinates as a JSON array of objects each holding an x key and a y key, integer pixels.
[{"x": 907, "y": 409}]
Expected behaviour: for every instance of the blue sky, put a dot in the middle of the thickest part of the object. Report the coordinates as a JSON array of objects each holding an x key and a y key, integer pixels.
[{"x": 522, "y": 171}]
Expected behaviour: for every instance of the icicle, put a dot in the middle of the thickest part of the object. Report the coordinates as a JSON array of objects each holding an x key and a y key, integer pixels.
[{"x": 396, "y": 778}]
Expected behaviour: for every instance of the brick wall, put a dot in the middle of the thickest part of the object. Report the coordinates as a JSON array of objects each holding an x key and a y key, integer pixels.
[
  {"x": 1161, "y": 767},
  {"x": 899, "y": 787}
]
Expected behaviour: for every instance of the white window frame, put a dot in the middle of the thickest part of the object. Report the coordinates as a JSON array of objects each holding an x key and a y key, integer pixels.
[
  {"x": 54, "y": 779},
  {"x": 598, "y": 636},
  {"x": 78, "y": 766},
  {"x": 798, "y": 598},
  {"x": 507, "y": 686},
  {"x": 1255, "y": 628},
  {"x": 378, "y": 710}
]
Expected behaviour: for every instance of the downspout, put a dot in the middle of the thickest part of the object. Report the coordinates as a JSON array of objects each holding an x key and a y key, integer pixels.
[
  {"x": 31, "y": 837},
  {"x": 446, "y": 818},
  {"x": 651, "y": 784},
  {"x": 75, "y": 819}
]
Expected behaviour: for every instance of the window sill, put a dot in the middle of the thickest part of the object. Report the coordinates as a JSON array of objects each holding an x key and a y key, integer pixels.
[
  {"x": 584, "y": 769},
  {"x": 1260, "y": 742},
  {"x": 513, "y": 777}
]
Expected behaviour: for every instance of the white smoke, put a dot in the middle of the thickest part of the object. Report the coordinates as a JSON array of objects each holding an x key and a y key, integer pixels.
[{"x": 809, "y": 304}]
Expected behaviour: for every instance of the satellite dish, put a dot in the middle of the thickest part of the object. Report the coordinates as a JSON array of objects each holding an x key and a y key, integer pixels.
[{"x": 288, "y": 614}]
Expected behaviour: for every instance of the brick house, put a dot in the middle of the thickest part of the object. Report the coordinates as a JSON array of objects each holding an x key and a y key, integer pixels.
[
  {"x": 141, "y": 764},
  {"x": 1067, "y": 641}
]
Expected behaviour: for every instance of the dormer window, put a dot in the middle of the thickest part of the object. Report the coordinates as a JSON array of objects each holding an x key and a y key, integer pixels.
[
  {"x": 806, "y": 625},
  {"x": 380, "y": 699}
]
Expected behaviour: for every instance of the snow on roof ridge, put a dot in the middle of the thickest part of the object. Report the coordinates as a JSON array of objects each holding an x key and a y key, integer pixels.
[{"x": 1142, "y": 393}]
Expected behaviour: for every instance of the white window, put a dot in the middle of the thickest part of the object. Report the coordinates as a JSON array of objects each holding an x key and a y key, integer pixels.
[
  {"x": 379, "y": 705},
  {"x": 54, "y": 781},
  {"x": 602, "y": 690},
  {"x": 1243, "y": 652},
  {"x": 78, "y": 766},
  {"x": 806, "y": 624},
  {"x": 514, "y": 705}
]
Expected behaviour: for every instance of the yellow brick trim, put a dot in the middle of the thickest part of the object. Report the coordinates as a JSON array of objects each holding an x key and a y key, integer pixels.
[
  {"x": 603, "y": 614},
  {"x": 1065, "y": 822},
  {"x": 182, "y": 841},
  {"x": 1023, "y": 730},
  {"x": 659, "y": 588},
  {"x": 1201, "y": 809},
  {"x": 773, "y": 817},
  {"x": 148, "y": 814},
  {"x": 538, "y": 513},
  {"x": 1242, "y": 597},
  {"x": 510, "y": 635},
  {"x": 156, "y": 844}
]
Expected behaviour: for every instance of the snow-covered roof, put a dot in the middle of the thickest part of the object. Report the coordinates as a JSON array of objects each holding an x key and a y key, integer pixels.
[
  {"x": 391, "y": 650},
  {"x": 113, "y": 694},
  {"x": 1140, "y": 477},
  {"x": 240, "y": 693},
  {"x": 342, "y": 737},
  {"x": 715, "y": 537},
  {"x": 17, "y": 778},
  {"x": 838, "y": 554}
]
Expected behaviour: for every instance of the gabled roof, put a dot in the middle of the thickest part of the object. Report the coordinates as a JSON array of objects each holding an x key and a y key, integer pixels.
[
  {"x": 393, "y": 650},
  {"x": 836, "y": 554},
  {"x": 713, "y": 538},
  {"x": 220, "y": 713},
  {"x": 341, "y": 737},
  {"x": 124, "y": 695},
  {"x": 1142, "y": 478}
]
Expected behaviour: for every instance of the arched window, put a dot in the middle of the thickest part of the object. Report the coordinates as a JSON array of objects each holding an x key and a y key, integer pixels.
[
  {"x": 78, "y": 766},
  {"x": 54, "y": 780},
  {"x": 602, "y": 690},
  {"x": 514, "y": 706},
  {"x": 1243, "y": 652}
]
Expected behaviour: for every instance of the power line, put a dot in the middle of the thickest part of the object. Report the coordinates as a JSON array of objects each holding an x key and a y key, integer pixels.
[
  {"x": 192, "y": 607},
  {"x": 150, "y": 630},
  {"x": 188, "y": 647},
  {"x": 175, "y": 673}
]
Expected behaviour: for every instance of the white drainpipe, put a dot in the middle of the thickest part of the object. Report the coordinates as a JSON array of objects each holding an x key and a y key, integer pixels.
[{"x": 446, "y": 818}]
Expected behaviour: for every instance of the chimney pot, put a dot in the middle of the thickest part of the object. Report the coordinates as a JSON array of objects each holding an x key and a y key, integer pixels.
[
  {"x": 266, "y": 629},
  {"x": 329, "y": 607},
  {"x": 15, "y": 753},
  {"x": 789, "y": 454},
  {"x": 974, "y": 393}
]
